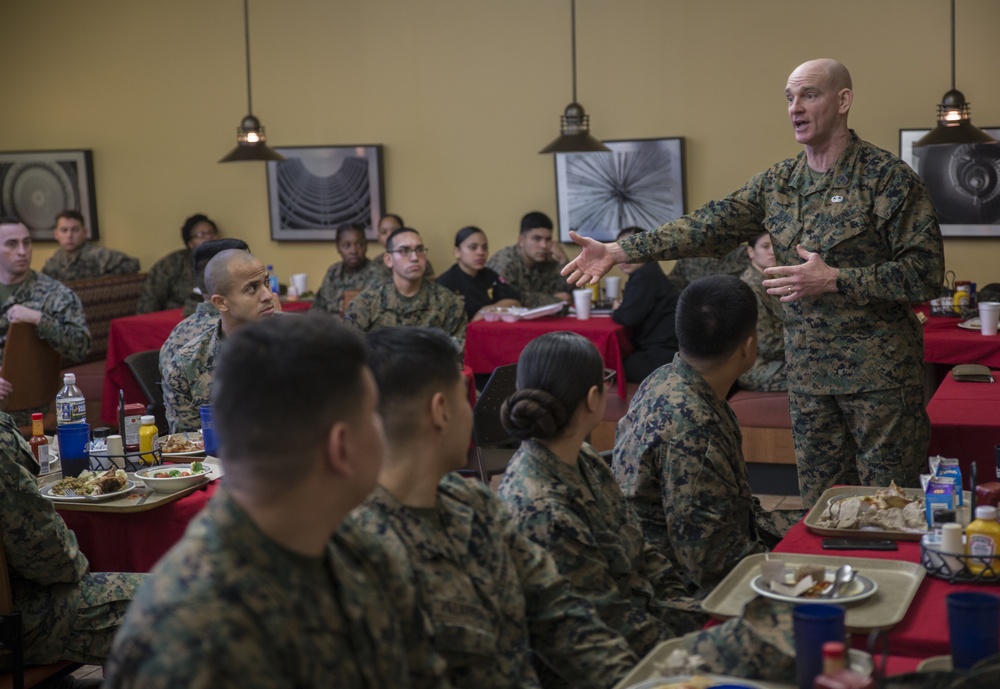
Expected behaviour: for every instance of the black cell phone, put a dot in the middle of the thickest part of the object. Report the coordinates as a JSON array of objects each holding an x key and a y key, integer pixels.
[{"x": 853, "y": 544}]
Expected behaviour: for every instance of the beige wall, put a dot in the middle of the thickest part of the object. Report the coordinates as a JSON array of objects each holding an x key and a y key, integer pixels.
[{"x": 462, "y": 94}]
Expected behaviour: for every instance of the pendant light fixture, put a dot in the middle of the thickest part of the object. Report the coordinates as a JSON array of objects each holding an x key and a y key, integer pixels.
[
  {"x": 954, "y": 124},
  {"x": 250, "y": 134},
  {"x": 575, "y": 134}
]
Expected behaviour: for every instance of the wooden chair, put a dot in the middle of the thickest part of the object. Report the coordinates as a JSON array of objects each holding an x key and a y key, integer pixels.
[
  {"x": 11, "y": 642},
  {"x": 145, "y": 368},
  {"x": 491, "y": 443},
  {"x": 31, "y": 366}
]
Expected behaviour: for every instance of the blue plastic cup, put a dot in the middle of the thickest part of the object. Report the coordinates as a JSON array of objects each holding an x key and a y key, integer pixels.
[
  {"x": 74, "y": 438},
  {"x": 208, "y": 430},
  {"x": 814, "y": 624},
  {"x": 973, "y": 627}
]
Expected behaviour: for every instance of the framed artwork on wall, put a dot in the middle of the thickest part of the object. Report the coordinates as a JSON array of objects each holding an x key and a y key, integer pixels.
[
  {"x": 964, "y": 182},
  {"x": 640, "y": 182},
  {"x": 36, "y": 186},
  {"x": 318, "y": 188}
]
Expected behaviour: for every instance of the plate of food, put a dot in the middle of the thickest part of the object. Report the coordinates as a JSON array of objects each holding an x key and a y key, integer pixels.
[
  {"x": 89, "y": 486},
  {"x": 172, "y": 478},
  {"x": 870, "y": 513},
  {"x": 182, "y": 445},
  {"x": 811, "y": 584},
  {"x": 971, "y": 324}
]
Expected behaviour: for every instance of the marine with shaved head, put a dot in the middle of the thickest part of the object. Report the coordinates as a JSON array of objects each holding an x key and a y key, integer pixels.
[
  {"x": 238, "y": 284},
  {"x": 856, "y": 240}
]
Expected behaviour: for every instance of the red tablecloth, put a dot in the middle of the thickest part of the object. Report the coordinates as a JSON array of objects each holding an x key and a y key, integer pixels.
[
  {"x": 134, "y": 541},
  {"x": 923, "y": 632},
  {"x": 946, "y": 343},
  {"x": 965, "y": 423},
  {"x": 488, "y": 345},
  {"x": 133, "y": 334}
]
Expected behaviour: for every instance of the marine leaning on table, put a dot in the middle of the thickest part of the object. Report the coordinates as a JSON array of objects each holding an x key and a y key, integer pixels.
[
  {"x": 268, "y": 589},
  {"x": 67, "y": 611},
  {"x": 857, "y": 240}
]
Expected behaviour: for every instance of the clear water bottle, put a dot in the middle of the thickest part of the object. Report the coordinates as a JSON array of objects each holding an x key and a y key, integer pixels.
[
  {"x": 71, "y": 407},
  {"x": 273, "y": 279}
]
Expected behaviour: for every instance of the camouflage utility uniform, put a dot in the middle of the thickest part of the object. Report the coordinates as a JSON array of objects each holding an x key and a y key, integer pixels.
[
  {"x": 578, "y": 514},
  {"x": 170, "y": 284},
  {"x": 337, "y": 280},
  {"x": 687, "y": 270},
  {"x": 382, "y": 306},
  {"x": 63, "y": 324},
  {"x": 67, "y": 612},
  {"x": 537, "y": 284},
  {"x": 493, "y": 596},
  {"x": 187, "y": 379},
  {"x": 228, "y": 607},
  {"x": 679, "y": 461},
  {"x": 854, "y": 356},
  {"x": 768, "y": 372},
  {"x": 204, "y": 319},
  {"x": 89, "y": 261}
]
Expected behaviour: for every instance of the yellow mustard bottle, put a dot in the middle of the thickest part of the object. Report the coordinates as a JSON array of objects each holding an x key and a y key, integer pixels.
[
  {"x": 982, "y": 541},
  {"x": 148, "y": 435}
]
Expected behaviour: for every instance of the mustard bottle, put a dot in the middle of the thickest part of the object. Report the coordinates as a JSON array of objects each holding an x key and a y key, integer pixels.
[
  {"x": 148, "y": 435},
  {"x": 982, "y": 541}
]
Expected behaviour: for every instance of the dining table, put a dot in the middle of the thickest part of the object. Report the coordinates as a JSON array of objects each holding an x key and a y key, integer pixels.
[
  {"x": 140, "y": 333},
  {"x": 965, "y": 424},
  {"x": 489, "y": 344},
  {"x": 946, "y": 342}
]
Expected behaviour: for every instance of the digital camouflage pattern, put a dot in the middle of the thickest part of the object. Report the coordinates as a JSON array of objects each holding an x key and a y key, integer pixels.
[
  {"x": 63, "y": 324},
  {"x": 203, "y": 320},
  {"x": 687, "y": 270},
  {"x": 170, "y": 284},
  {"x": 382, "y": 306},
  {"x": 228, "y": 607},
  {"x": 67, "y": 612},
  {"x": 537, "y": 284},
  {"x": 768, "y": 372},
  {"x": 679, "y": 461},
  {"x": 89, "y": 261},
  {"x": 187, "y": 380},
  {"x": 871, "y": 217},
  {"x": 493, "y": 597},
  {"x": 330, "y": 296},
  {"x": 578, "y": 515}
]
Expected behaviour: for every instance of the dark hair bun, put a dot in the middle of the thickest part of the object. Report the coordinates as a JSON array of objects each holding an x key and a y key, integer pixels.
[{"x": 533, "y": 413}]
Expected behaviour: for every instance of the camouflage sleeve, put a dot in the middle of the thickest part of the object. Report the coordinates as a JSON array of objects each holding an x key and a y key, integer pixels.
[
  {"x": 177, "y": 396},
  {"x": 159, "y": 282},
  {"x": 118, "y": 263},
  {"x": 707, "y": 523},
  {"x": 51, "y": 267},
  {"x": 564, "y": 627},
  {"x": 456, "y": 321},
  {"x": 38, "y": 544},
  {"x": 63, "y": 324},
  {"x": 329, "y": 295},
  {"x": 908, "y": 222},
  {"x": 508, "y": 265},
  {"x": 363, "y": 309}
]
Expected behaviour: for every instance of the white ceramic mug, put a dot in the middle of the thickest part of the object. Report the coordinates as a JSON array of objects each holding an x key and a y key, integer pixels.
[{"x": 581, "y": 301}]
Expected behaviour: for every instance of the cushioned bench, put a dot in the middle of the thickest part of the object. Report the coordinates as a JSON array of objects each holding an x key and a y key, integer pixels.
[{"x": 766, "y": 425}]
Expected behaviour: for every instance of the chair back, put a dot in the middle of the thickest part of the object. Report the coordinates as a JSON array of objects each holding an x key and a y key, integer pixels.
[
  {"x": 487, "y": 430},
  {"x": 31, "y": 366},
  {"x": 145, "y": 368}
]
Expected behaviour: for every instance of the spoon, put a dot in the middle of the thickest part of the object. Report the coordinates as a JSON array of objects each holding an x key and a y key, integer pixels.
[{"x": 843, "y": 577}]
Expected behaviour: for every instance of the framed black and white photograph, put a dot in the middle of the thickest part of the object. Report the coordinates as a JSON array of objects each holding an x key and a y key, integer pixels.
[
  {"x": 963, "y": 180},
  {"x": 36, "y": 186},
  {"x": 318, "y": 188},
  {"x": 640, "y": 182}
]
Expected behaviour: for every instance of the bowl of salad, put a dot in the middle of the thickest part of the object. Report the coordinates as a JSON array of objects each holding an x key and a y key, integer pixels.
[{"x": 172, "y": 478}]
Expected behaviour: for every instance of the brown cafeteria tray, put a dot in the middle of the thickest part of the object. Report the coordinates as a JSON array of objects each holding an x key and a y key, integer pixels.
[
  {"x": 841, "y": 492},
  {"x": 897, "y": 581}
]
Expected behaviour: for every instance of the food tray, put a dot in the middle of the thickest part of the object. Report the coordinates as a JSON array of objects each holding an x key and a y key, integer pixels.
[
  {"x": 897, "y": 581},
  {"x": 841, "y": 492}
]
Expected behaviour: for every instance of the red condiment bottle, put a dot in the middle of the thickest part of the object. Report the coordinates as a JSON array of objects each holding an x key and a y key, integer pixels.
[
  {"x": 836, "y": 674},
  {"x": 39, "y": 443}
]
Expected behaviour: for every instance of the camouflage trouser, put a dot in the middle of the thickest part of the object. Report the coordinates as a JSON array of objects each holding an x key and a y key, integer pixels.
[
  {"x": 866, "y": 438},
  {"x": 105, "y": 599}
]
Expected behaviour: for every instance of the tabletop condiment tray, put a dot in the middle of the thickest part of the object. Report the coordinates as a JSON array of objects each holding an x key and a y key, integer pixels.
[
  {"x": 839, "y": 493},
  {"x": 897, "y": 581}
]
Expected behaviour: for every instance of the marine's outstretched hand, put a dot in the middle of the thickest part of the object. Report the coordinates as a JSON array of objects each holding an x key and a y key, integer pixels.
[{"x": 595, "y": 259}]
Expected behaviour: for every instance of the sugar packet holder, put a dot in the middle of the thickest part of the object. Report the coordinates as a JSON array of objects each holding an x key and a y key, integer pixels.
[{"x": 972, "y": 373}]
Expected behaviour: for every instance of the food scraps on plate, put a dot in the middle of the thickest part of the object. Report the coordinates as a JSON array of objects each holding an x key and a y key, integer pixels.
[{"x": 92, "y": 483}]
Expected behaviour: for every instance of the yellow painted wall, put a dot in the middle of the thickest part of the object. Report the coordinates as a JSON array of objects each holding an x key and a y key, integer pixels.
[{"x": 462, "y": 94}]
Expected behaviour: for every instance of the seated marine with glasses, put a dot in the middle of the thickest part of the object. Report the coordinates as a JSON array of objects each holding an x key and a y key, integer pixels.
[{"x": 409, "y": 298}]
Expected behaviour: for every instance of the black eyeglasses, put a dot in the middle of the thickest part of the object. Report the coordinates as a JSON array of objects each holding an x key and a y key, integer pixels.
[
  {"x": 610, "y": 375},
  {"x": 406, "y": 252}
]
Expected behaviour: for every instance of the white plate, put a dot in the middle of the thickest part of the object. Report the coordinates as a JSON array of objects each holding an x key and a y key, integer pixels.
[
  {"x": 971, "y": 324},
  {"x": 547, "y": 310},
  {"x": 862, "y": 587},
  {"x": 190, "y": 435},
  {"x": 47, "y": 493}
]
